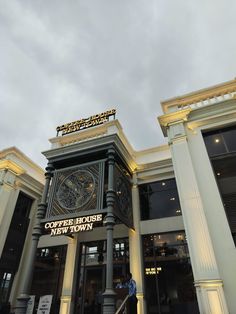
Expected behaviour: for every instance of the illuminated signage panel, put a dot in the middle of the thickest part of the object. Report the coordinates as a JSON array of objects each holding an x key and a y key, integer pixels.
[
  {"x": 85, "y": 123},
  {"x": 152, "y": 271},
  {"x": 73, "y": 225}
]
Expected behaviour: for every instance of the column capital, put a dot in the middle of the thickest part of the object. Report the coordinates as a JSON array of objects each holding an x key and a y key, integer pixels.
[
  {"x": 208, "y": 283},
  {"x": 11, "y": 166},
  {"x": 173, "y": 118},
  {"x": 111, "y": 152},
  {"x": 49, "y": 170}
]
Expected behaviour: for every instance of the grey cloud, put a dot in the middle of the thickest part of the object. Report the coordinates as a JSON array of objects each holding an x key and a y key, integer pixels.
[{"x": 65, "y": 60}]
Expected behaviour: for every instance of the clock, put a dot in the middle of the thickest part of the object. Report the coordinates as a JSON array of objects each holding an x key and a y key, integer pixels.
[{"x": 76, "y": 190}]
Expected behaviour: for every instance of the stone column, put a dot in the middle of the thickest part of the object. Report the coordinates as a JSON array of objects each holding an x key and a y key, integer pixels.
[
  {"x": 109, "y": 222},
  {"x": 135, "y": 247},
  {"x": 9, "y": 171},
  {"x": 21, "y": 303},
  {"x": 67, "y": 300},
  {"x": 208, "y": 283}
]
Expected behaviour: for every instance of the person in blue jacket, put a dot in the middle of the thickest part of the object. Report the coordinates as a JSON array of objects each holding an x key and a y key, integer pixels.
[{"x": 132, "y": 304}]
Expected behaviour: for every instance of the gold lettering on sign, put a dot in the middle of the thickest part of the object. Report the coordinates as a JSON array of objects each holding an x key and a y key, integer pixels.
[
  {"x": 75, "y": 225},
  {"x": 86, "y": 123}
]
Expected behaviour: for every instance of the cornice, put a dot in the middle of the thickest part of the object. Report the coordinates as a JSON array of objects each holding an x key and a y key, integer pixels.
[
  {"x": 200, "y": 96},
  {"x": 11, "y": 166},
  {"x": 173, "y": 118},
  {"x": 92, "y": 145},
  {"x": 30, "y": 184},
  {"x": 19, "y": 154}
]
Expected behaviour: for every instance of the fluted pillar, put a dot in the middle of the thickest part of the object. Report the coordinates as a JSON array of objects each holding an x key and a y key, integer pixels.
[
  {"x": 109, "y": 222},
  {"x": 67, "y": 300},
  {"x": 135, "y": 247},
  {"x": 22, "y": 300},
  {"x": 207, "y": 279}
]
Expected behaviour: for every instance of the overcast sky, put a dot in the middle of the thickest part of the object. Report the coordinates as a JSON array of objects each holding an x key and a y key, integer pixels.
[{"x": 62, "y": 60}]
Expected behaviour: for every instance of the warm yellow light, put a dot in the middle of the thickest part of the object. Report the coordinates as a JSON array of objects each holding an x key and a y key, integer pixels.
[
  {"x": 12, "y": 166},
  {"x": 180, "y": 237},
  {"x": 152, "y": 271},
  {"x": 217, "y": 140}
]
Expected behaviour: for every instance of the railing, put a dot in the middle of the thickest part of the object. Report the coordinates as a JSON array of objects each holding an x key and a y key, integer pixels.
[
  {"x": 122, "y": 306},
  {"x": 201, "y": 98}
]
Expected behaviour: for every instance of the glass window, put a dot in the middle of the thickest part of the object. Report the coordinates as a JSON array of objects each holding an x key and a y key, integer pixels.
[
  {"x": 229, "y": 136},
  {"x": 5, "y": 286},
  {"x": 168, "y": 274},
  {"x": 12, "y": 251},
  {"x": 225, "y": 172},
  {"x": 215, "y": 144},
  {"x": 48, "y": 274},
  {"x": 222, "y": 154},
  {"x": 220, "y": 142},
  {"x": 159, "y": 199}
]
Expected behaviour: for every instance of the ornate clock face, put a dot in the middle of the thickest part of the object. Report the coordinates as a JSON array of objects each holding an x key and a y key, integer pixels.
[
  {"x": 76, "y": 190},
  {"x": 123, "y": 196}
]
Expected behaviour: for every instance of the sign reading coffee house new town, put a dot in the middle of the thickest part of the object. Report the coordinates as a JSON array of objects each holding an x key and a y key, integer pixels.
[{"x": 74, "y": 225}]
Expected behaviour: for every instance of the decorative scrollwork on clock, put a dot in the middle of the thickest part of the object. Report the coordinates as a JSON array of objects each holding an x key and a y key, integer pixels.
[
  {"x": 123, "y": 195},
  {"x": 76, "y": 190}
]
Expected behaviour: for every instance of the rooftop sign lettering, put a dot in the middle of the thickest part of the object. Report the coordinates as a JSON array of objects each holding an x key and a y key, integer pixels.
[{"x": 85, "y": 123}]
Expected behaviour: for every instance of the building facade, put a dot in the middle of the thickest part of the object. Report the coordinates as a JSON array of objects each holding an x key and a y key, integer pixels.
[
  {"x": 21, "y": 186},
  {"x": 166, "y": 214}
]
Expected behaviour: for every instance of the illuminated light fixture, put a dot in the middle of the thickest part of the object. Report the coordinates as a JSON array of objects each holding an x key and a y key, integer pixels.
[
  {"x": 172, "y": 199},
  {"x": 180, "y": 237},
  {"x": 163, "y": 183},
  {"x": 159, "y": 237},
  {"x": 152, "y": 271},
  {"x": 218, "y": 173},
  {"x": 178, "y": 211},
  {"x": 217, "y": 140}
]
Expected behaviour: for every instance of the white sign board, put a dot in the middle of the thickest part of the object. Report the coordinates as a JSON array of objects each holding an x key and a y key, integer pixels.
[
  {"x": 44, "y": 304},
  {"x": 30, "y": 305}
]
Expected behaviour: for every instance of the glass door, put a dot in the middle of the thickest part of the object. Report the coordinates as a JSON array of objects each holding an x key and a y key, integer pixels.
[
  {"x": 92, "y": 272},
  {"x": 93, "y": 289}
]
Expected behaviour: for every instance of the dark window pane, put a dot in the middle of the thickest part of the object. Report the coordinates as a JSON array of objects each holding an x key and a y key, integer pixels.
[
  {"x": 159, "y": 200},
  {"x": 225, "y": 171},
  {"x": 143, "y": 188},
  {"x": 162, "y": 185},
  {"x": 168, "y": 274},
  {"x": 215, "y": 144},
  {"x": 48, "y": 274},
  {"x": 12, "y": 250},
  {"x": 164, "y": 204},
  {"x": 229, "y": 136},
  {"x": 223, "y": 161},
  {"x": 144, "y": 204}
]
